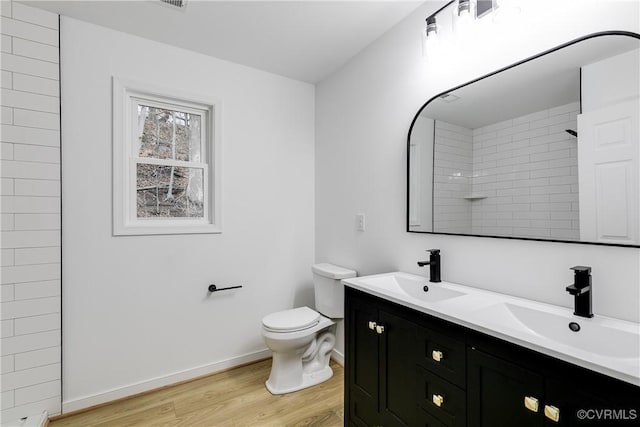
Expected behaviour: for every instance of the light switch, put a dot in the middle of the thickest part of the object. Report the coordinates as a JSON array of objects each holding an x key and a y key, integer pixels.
[{"x": 360, "y": 222}]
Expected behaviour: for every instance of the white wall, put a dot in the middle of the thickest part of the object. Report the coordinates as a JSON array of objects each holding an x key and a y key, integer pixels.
[
  {"x": 363, "y": 113},
  {"x": 136, "y": 310},
  {"x": 30, "y": 209}
]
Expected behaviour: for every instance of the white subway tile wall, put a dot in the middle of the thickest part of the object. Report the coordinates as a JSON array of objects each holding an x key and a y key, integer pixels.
[
  {"x": 453, "y": 160},
  {"x": 30, "y": 315},
  {"x": 527, "y": 168},
  {"x": 518, "y": 177}
]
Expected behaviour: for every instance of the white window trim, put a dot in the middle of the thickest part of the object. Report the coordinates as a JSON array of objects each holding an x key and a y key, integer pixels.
[{"x": 125, "y": 221}]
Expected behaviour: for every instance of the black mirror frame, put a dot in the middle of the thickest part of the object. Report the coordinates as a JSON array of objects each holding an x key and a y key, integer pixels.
[{"x": 546, "y": 52}]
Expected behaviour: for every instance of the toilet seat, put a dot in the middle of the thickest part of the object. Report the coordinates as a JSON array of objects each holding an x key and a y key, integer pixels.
[{"x": 293, "y": 320}]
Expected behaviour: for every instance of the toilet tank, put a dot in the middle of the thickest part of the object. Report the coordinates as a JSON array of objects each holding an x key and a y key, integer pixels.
[{"x": 329, "y": 290}]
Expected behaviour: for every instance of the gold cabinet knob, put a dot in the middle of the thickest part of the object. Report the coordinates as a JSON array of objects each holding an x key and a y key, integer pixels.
[
  {"x": 372, "y": 325},
  {"x": 437, "y": 400},
  {"x": 531, "y": 403},
  {"x": 552, "y": 413},
  {"x": 379, "y": 329},
  {"x": 437, "y": 355}
]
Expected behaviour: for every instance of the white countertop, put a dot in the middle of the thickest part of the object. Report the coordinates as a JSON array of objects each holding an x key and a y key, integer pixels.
[{"x": 603, "y": 344}]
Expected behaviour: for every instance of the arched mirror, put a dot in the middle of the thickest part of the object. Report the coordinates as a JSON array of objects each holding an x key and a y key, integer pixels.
[{"x": 546, "y": 149}]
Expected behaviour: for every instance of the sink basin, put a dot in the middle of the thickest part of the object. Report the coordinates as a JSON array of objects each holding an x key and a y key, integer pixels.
[
  {"x": 410, "y": 285},
  {"x": 595, "y": 335},
  {"x": 602, "y": 344}
]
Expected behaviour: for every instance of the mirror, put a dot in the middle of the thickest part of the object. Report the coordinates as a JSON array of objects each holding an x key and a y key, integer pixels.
[{"x": 546, "y": 149}]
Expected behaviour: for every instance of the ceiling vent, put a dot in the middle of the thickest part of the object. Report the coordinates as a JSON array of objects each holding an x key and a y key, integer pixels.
[
  {"x": 175, "y": 4},
  {"x": 447, "y": 97}
]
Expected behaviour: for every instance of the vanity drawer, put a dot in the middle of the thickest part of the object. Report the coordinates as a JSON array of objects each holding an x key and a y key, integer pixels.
[
  {"x": 442, "y": 355},
  {"x": 440, "y": 398},
  {"x": 425, "y": 419}
]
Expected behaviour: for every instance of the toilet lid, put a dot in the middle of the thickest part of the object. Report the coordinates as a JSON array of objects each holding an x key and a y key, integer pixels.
[{"x": 291, "y": 320}]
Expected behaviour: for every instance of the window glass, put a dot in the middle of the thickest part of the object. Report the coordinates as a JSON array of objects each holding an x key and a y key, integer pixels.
[
  {"x": 169, "y": 134},
  {"x": 169, "y": 191}
]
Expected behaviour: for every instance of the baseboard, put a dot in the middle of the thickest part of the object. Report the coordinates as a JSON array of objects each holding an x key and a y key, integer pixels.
[
  {"x": 338, "y": 357},
  {"x": 159, "y": 382}
]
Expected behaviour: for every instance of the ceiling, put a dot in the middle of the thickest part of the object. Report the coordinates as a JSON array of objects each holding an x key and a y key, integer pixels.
[
  {"x": 548, "y": 81},
  {"x": 303, "y": 40}
]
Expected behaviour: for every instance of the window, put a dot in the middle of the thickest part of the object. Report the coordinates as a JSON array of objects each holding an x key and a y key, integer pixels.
[{"x": 166, "y": 162}]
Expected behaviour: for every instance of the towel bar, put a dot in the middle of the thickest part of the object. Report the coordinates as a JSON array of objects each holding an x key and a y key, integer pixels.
[{"x": 214, "y": 288}]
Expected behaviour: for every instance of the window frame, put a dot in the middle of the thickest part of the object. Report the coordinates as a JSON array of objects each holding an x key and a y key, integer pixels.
[{"x": 127, "y": 94}]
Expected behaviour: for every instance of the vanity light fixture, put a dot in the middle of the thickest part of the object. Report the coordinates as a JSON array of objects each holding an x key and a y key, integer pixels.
[
  {"x": 432, "y": 27},
  {"x": 484, "y": 6},
  {"x": 463, "y": 10},
  {"x": 462, "y": 13},
  {"x": 431, "y": 41},
  {"x": 463, "y": 18},
  {"x": 464, "y": 7}
]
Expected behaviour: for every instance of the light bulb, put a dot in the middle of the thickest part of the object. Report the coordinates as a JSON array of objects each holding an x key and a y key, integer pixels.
[
  {"x": 432, "y": 27},
  {"x": 463, "y": 19},
  {"x": 464, "y": 7}
]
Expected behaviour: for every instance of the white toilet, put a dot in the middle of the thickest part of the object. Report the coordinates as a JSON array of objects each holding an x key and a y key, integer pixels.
[{"x": 301, "y": 339}]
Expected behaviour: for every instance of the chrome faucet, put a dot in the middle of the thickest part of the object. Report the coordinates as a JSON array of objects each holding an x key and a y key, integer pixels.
[
  {"x": 434, "y": 265},
  {"x": 581, "y": 291}
]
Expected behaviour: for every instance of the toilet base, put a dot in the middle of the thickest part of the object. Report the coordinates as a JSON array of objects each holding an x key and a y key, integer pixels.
[{"x": 308, "y": 380}]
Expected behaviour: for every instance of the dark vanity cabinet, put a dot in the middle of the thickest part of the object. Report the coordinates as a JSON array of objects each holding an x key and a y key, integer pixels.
[
  {"x": 511, "y": 385},
  {"x": 419, "y": 370},
  {"x": 381, "y": 360},
  {"x": 440, "y": 372},
  {"x": 503, "y": 393}
]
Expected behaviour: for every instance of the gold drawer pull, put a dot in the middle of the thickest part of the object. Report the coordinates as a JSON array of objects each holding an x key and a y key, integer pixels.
[
  {"x": 379, "y": 329},
  {"x": 531, "y": 403},
  {"x": 372, "y": 325},
  {"x": 437, "y": 400},
  {"x": 552, "y": 412},
  {"x": 437, "y": 355}
]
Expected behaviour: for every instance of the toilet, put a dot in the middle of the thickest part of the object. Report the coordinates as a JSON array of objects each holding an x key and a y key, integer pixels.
[{"x": 301, "y": 339}]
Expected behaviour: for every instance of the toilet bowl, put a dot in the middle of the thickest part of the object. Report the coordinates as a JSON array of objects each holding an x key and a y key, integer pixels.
[
  {"x": 300, "y": 354},
  {"x": 302, "y": 339}
]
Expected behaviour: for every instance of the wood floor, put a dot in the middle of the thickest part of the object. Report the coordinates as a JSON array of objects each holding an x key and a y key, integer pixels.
[{"x": 236, "y": 397}]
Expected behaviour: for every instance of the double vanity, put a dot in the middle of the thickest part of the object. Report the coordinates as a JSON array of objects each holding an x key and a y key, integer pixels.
[
  {"x": 532, "y": 151},
  {"x": 440, "y": 354}
]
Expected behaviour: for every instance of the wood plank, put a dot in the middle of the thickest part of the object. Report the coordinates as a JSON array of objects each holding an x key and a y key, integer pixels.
[{"x": 235, "y": 397}]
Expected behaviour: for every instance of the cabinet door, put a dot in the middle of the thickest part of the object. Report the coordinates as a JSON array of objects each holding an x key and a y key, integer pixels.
[
  {"x": 496, "y": 393},
  {"x": 424, "y": 419},
  {"x": 397, "y": 371},
  {"x": 602, "y": 402},
  {"x": 363, "y": 362},
  {"x": 565, "y": 400}
]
